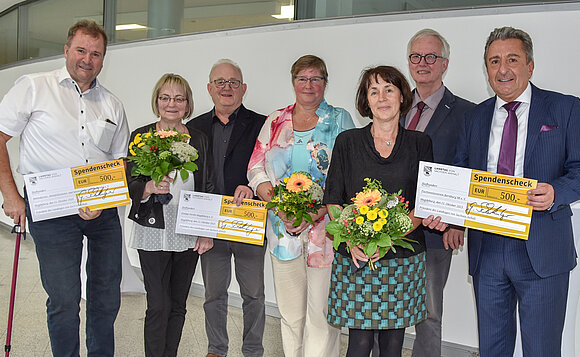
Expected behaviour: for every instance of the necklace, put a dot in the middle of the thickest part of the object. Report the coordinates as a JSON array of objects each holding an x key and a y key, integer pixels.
[{"x": 388, "y": 142}]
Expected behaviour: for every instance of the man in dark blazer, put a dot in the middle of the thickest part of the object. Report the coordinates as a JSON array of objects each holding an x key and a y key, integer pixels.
[
  {"x": 232, "y": 130},
  {"x": 437, "y": 112},
  {"x": 533, "y": 273}
]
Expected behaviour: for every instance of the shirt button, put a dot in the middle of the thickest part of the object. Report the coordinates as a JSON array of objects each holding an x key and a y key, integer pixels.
[
  {"x": 87, "y": 161},
  {"x": 83, "y": 144},
  {"x": 83, "y": 127},
  {"x": 82, "y": 111}
]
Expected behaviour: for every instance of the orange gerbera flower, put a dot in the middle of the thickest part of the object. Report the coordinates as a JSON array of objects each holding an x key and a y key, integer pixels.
[
  {"x": 298, "y": 182},
  {"x": 367, "y": 198}
]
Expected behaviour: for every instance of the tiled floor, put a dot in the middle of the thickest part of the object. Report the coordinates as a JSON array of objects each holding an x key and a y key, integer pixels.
[{"x": 30, "y": 335}]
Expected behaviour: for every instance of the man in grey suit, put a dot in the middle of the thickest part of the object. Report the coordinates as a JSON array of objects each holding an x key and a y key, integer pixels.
[{"x": 437, "y": 112}]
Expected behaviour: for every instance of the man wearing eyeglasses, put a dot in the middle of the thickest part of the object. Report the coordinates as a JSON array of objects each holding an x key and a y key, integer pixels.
[
  {"x": 65, "y": 118},
  {"x": 232, "y": 130},
  {"x": 437, "y": 112}
]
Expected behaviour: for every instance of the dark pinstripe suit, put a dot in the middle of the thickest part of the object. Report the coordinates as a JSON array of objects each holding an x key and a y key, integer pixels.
[{"x": 533, "y": 273}]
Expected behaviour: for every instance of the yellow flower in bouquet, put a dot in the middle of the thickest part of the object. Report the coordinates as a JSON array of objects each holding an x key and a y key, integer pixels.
[
  {"x": 376, "y": 220},
  {"x": 297, "y": 196},
  {"x": 157, "y": 153}
]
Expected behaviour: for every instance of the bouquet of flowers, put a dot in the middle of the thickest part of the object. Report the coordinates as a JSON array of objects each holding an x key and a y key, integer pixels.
[
  {"x": 157, "y": 153},
  {"x": 376, "y": 219},
  {"x": 297, "y": 196}
]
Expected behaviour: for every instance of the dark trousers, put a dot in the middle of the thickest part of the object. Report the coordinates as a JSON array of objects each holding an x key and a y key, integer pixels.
[
  {"x": 167, "y": 277},
  {"x": 505, "y": 278},
  {"x": 59, "y": 247},
  {"x": 249, "y": 268}
]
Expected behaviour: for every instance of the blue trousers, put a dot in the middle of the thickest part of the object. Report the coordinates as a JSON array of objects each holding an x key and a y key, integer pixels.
[
  {"x": 59, "y": 246},
  {"x": 505, "y": 278}
]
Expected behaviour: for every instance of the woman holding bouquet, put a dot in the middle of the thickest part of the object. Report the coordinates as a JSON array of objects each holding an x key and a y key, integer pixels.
[
  {"x": 391, "y": 297},
  {"x": 298, "y": 138},
  {"x": 167, "y": 259}
]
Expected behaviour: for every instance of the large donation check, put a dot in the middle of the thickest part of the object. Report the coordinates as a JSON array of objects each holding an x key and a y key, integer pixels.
[
  {"x": 476, "y": 199},
  {"x": 217, "y": 216},
  {"x": 60, "y": 193}
]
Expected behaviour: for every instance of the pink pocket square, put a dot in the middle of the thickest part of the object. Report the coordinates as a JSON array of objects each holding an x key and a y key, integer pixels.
[{"x": 548, "y": 127}]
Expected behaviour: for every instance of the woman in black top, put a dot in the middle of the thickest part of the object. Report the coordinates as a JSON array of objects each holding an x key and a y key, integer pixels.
[{"x": 392, "y": 297}]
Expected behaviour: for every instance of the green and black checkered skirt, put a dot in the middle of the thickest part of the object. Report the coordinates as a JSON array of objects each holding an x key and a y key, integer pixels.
[{"x": 391, "y": 297}]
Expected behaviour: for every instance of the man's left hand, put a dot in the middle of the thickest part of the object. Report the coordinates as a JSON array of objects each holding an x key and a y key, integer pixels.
[
  {"x": 87, "y": 214},
  {"x": 242, "y": 192},
  {"x": 542, "y": 197}
]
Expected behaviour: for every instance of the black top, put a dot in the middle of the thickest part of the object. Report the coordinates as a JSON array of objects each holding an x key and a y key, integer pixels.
[
  {"x": 246, "y": 128},
  {"x": 221, "y": 137},
  {"x": 355, "y": 157}
]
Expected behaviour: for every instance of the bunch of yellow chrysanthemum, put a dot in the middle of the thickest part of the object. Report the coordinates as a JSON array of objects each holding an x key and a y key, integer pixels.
[{"x": 376, "y": 220}]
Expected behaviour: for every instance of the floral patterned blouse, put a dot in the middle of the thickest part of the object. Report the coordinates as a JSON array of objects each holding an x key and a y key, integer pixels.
[{"x": 271, "y": 162}]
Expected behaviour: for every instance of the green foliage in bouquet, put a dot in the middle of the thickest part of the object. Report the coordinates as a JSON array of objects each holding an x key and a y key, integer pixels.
[
  {"x": 297, "y": 196},
  {"x": 376, "y": 220},
  {"x": 157, "y": 153}
]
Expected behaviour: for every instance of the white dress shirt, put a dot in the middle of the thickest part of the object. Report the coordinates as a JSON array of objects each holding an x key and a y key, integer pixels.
[
  {"x": 499, "y": 117},
  {"x": 61, "y": 127}
]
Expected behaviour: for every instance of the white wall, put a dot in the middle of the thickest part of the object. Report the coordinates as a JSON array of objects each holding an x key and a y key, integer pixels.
[{"x": 347, "y": 45}]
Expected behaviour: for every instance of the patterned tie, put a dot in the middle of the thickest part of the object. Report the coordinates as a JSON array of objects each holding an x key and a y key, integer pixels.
[
  {"x": 415, "y": 120},
  {"x": 506, "y": 161}
]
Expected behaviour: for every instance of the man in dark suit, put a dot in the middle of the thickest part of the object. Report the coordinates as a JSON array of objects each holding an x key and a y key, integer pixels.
[
  {"x": 437, "y": 112},
  {"x": 533, "y": 274},
  {"x": 232, "y": 130}
]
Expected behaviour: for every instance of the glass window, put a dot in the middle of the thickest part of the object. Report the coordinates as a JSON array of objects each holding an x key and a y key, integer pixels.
[
  {"x": 8, "y": 35},
  {"x": 328, "y": 8},
  {"x": 140, "y": 19},
  {"x": 46, "y": 24}
]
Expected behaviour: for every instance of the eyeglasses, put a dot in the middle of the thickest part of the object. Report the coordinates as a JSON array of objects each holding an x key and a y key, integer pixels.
[
  {"x": 167, "y": 99},
  {"x": 220, "y": 83},
  {"x": 430, "y": 58},
  {"x": 312, "y": 80}
]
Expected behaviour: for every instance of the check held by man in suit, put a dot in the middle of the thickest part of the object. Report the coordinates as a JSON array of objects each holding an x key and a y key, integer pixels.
[
  {"x": 532, "y": 274},
  {"x": 232, "y": 130}
]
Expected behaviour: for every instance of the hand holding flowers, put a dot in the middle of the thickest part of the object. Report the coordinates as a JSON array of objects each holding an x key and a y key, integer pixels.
[
  {"x": 376, "y": 222},
  {"x": 297, "y": 196},
  {"x": 157, "y": 153}
]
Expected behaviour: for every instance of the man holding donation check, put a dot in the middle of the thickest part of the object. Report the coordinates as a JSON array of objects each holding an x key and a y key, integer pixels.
[
  {"x": 65, "y": 118},
  {"x": 526, "y": 132}
]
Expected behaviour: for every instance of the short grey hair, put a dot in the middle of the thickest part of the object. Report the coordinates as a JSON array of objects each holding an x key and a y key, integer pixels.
[
  {"x": 226, "y": 61},
  {"x": 445, "y": 48},
  {"x": 506, "y": 33}
]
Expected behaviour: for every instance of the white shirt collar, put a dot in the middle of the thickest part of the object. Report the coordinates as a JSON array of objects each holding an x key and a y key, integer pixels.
[{"x": 525, "y": 97}]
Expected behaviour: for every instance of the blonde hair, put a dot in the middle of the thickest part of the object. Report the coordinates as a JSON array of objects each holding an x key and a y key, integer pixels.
[{"x": 172, "y": 79}]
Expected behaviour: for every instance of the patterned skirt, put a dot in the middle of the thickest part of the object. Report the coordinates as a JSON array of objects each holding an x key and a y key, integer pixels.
[{"x": 390, "y": 297}]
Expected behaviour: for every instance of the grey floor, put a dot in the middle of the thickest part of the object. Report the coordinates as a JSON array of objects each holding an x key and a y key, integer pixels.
[{"x": 30, "y": 335}]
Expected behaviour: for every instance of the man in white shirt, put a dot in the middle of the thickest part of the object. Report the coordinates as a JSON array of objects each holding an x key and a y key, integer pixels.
[{"x": 66, "y": 118}]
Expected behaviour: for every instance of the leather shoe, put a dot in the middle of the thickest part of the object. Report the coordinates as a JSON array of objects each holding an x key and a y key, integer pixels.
[{"x": 213, "y": 355}]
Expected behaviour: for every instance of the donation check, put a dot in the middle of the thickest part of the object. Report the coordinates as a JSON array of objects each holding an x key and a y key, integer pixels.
[
  {"x": 476, "y": 199},
  {"x": 60, "y": 193},
  {"x": 217, "y": 216}
]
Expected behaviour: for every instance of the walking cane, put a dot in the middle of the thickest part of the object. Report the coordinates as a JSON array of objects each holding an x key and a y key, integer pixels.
[{"x": 15, "y": 229}]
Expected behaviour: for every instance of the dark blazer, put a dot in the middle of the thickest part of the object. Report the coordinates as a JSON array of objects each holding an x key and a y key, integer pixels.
[
  {"x": 553, "y": 156},
  {"x": 247, "y": 126},
  {"x": 444, "y": 133},
  {"x": 150, "y": 213}
]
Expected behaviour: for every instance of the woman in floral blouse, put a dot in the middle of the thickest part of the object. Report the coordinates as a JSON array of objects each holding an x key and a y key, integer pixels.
[{"x": 300, "y": 137}]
